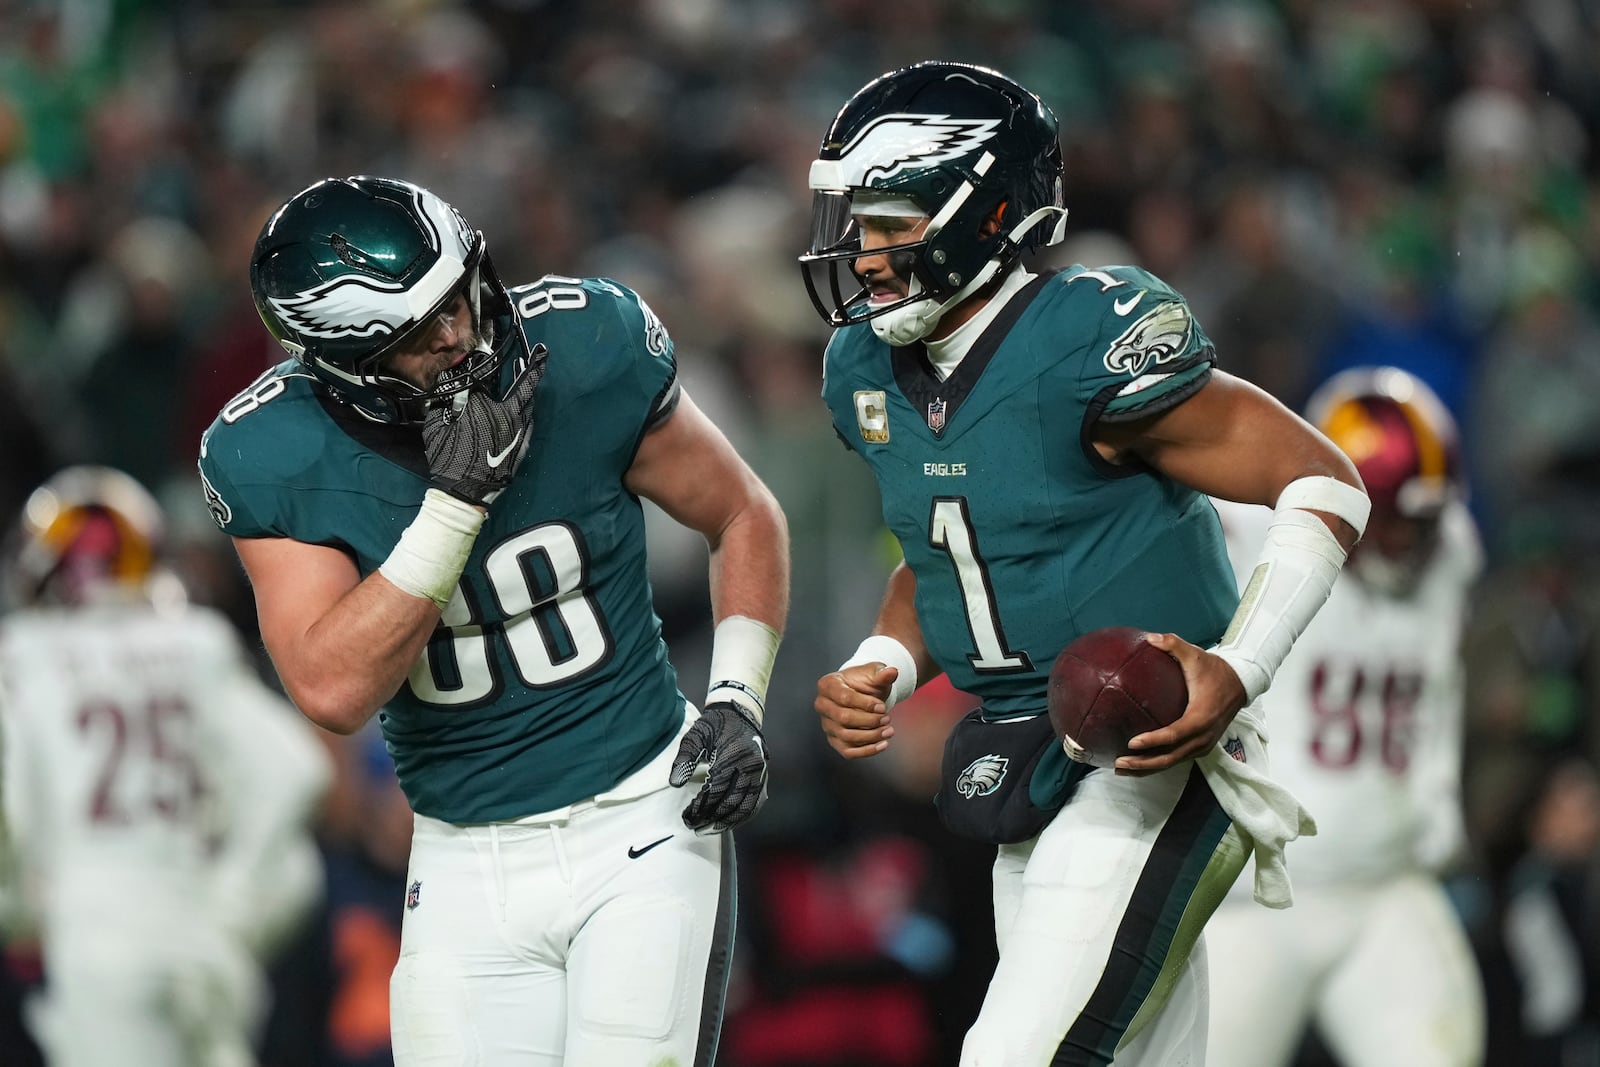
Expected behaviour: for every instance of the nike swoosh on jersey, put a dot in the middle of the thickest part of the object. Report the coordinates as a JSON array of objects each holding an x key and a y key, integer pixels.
[
  {"x": 496, "y": 458},
  {"x": 635, "y": 853},
  {"x": 1122, "y": 307}
]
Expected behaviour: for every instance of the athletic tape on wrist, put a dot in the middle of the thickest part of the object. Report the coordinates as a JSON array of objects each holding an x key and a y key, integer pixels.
[
  {"x": 431, "y": 552},
  {"x": 1291, "y": 581},
  {"x": 742, "y": 653},
  {"x": 881, "y": 648}
]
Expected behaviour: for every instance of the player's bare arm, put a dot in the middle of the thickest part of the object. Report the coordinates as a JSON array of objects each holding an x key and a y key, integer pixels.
[
  {"x": 1235, "y": 441},
  {"x": 687, "y": 467},
  {"x": 1232, "y": 440},
  {"x": 342, "y": 645},
  {"x": 854, "y": 700}
]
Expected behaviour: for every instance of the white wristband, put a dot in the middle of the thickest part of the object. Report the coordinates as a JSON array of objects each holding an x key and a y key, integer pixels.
[
  {"x": 1298, "y": 565},
  {"x": 881, "y": 648},
  {"x": 1317, "y": 492},
  {"x": 742, "y": 651},
  {"x": 431, "y": 552}
]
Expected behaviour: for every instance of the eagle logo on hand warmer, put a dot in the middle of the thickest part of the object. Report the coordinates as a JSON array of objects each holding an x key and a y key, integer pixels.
[{"x": 982, "y": 776}]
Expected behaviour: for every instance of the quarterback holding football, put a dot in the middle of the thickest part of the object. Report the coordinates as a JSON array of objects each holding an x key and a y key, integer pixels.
[{"x": 1043, "y": 444}]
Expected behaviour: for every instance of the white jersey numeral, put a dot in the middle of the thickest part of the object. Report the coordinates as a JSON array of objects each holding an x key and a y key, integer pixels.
[
  {"x": 252, "y": 396},
  {"x": 950, "y": 529},
  {"x": 554, "y": 630},
  {"x": 551, "y": 298}
]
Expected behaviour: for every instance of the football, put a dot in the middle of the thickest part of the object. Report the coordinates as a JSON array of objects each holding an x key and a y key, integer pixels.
[{"x": 1111, "y": 685}]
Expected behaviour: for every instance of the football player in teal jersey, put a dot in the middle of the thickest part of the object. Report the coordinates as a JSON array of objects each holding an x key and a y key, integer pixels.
[
  {"x": 437, "y": 498},
  {"x": 1043, "y": 445}
]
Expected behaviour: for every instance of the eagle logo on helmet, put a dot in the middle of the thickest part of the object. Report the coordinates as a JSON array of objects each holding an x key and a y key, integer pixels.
[
  {"x": 345, "y": 307},
  {"x": 982, "y": 776},
  {"x": 898, "y": 142},
  {"x": 1159, "y": 337}
]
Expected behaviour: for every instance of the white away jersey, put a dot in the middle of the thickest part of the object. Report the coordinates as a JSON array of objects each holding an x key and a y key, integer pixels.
[
  {"x": 1364, "y": 715},
  {"x": 142, "y": 757}
]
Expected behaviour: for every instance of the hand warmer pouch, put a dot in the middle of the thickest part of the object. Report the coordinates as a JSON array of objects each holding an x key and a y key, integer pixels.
[{"x": 1003, "y": 781}]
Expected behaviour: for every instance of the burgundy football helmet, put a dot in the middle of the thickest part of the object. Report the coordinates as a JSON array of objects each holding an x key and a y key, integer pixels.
[
  {"x": 87, "y": 534},
  {"x": 1402, "y": 440}
]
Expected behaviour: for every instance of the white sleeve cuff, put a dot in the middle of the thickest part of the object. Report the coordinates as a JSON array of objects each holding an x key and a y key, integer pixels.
[
  {"x": 742, "y": 653},
  {"x": 1298, "y": 565},
  {"x": 432, "y": 551},
  {"x": 881, "y": 648}
]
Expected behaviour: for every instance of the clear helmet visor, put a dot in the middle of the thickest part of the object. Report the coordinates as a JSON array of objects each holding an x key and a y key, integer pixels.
[
  {"x": 836, "y": 290},
  {"x": 495, "y": 341},
  {"x": 833, "y": 224}
]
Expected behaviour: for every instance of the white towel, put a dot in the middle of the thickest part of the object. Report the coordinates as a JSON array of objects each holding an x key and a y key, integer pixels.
[{"x": 1264, "y": 811}]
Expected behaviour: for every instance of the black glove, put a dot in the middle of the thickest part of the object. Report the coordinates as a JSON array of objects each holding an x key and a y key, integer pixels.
[
  {"x": 728, "y": 741},
  {"x": 475, "y": 443}
]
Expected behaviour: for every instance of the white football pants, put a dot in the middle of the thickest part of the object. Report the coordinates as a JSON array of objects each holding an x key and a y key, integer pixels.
[
  {"x": 597, "y": 937},
  {"x": 182, "y": 998},
  {"x": 1098, "y": 924},
  {"x": 1384, "y": 971}
]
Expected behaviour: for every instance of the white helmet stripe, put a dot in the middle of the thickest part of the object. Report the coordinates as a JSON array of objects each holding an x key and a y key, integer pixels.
[
  {"x": 434, "y": 286},
  {"x": 948, "y": 210}
]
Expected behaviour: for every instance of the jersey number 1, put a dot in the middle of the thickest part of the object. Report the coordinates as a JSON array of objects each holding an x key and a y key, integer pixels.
[{"x": 950, "y": 531}]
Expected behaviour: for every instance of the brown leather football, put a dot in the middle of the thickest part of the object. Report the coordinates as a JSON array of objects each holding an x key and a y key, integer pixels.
[{"x": 1111, "y": 685}]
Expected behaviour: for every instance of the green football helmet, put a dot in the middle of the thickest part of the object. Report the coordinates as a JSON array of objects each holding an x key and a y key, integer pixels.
[
  {"x": 951, "y": 141},
  {"x": 349, "y": 269}
]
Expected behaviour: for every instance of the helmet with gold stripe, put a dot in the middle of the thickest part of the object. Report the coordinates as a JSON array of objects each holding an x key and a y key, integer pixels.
[
  {"x": 88, "y": 534},
  {"x": 1402, "y": 440}
]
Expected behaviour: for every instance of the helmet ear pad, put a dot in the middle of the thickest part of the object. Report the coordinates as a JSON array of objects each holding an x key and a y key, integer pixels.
[
  {"x": 971, "y": 218},
  {"x": 966, "y": 235}
]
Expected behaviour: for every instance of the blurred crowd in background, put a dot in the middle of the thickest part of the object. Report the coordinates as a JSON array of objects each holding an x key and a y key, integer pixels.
[{"x": 1405, "y": 182}]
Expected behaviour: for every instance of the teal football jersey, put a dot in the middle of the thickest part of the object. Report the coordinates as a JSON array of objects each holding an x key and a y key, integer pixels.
[
  {"x": 547, "y": 681},
  {"x": 1020, "y": 535}
]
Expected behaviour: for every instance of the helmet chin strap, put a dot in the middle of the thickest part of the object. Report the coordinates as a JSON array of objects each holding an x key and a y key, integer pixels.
[{"x": 916, "y": 319}]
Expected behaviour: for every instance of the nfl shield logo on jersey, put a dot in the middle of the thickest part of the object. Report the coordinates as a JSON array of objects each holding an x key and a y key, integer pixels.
[
  {"x": 1235, "y": 748},
  {"x": 936, "y": 415},
  {"x": 413, "y": 896}
]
